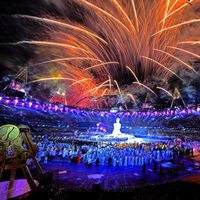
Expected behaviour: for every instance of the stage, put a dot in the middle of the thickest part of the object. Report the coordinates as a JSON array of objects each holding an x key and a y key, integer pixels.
[
  {"x": 116, "y": 136},
  {"x": 80, "y": 177},
  {"x": 123, "y": 138}
]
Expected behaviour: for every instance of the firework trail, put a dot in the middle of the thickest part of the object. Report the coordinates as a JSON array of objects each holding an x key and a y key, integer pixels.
[
  {"x": 117, "y": 37},
  {"x": 166, "y": 91}
]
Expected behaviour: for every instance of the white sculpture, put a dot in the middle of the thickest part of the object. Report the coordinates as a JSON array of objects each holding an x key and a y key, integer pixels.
[{"x": 117, "y": 127}]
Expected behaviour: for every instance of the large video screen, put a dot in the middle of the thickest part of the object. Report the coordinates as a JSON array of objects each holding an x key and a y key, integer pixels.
[{"x": 14, "y": 85}]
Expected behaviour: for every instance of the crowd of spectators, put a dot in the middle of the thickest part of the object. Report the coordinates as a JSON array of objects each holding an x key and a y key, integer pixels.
[{"x": 49, "y": 121}]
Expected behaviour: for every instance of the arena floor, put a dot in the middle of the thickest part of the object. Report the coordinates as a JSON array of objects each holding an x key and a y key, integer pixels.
[{"x": 80, "y": 177}]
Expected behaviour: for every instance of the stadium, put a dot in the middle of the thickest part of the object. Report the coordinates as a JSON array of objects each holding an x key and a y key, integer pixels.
[{"x": 100, "y": 99}]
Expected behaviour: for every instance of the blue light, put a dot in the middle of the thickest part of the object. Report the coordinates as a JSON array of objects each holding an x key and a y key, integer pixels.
[{"x": 102, "y": 114}]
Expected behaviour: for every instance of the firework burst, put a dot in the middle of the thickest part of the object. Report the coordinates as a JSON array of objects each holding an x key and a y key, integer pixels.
[{"x": 138, "y": 39}]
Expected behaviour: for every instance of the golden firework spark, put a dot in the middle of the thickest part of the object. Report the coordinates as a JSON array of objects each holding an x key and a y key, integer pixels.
[
  {"x": 116, "y": 37},
  {"x": 166, "y": 91}
]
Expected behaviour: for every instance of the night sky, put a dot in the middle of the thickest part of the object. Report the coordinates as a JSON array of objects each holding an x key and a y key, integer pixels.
[{"x": 12, "y": 58}]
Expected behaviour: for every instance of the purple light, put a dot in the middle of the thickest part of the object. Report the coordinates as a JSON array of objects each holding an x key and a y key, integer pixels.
[
  {"x": 100, "y": 113},
  {"x": 16, "y": 101},
  {"x": 183, "y": 111},
  {"x": 193, "y": 111}
]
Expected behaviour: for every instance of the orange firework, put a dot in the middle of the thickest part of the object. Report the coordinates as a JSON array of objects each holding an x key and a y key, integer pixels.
[{"x": 134, "y": 37}]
